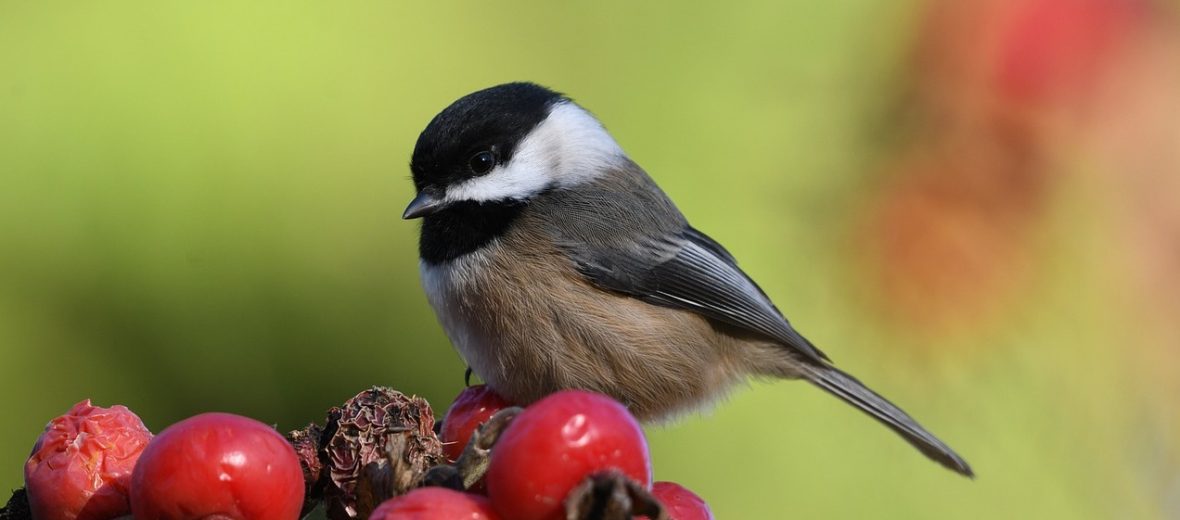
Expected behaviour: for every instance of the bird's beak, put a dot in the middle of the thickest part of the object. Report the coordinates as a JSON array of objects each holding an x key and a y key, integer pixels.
[{"x": 426, "y": 203}]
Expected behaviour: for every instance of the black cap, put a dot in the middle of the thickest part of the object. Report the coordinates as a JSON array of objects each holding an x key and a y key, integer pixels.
[{"x": 494, "y": 119}]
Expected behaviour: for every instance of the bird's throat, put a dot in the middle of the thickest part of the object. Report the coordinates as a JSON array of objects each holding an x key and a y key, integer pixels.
[{"x": 464, "y": 228}]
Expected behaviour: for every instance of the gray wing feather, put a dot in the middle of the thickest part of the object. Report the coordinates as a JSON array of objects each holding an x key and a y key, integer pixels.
[
  {"x": 631, "y": 239},
  {"x": 700, "y": 279}
]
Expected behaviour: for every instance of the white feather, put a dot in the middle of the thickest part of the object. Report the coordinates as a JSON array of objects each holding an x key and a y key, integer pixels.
[
  {"x": 445, "y": 285},
  {"x": 568, "y": 148}
]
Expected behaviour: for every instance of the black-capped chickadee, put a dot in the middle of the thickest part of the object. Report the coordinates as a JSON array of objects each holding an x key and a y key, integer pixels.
[{"x": 553, "y": 261}]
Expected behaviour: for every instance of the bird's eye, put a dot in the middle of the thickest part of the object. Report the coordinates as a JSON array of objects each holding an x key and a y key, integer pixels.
[{"x": 482, "y": 162}]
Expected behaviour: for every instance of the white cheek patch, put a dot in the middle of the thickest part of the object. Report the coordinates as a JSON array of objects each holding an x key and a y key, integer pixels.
[
  {"x": 568, "y": 148},
  {"x": 509, "y": 181}
]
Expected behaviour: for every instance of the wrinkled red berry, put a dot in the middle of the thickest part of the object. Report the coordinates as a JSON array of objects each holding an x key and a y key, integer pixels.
[
  {"x": 680, "y": 503},
  {"x": 433, "y": 503},
  {"x": 81, "y": 466},
  {"x": 218, "y": 464},
  {"x": 554, "y": 444},
  {"x": 473, "y": 407}
]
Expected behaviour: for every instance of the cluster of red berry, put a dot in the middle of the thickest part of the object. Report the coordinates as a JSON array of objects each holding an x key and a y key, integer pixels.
[
  {"x": 571, "y": 451},
  {"x": 98, "y": 463},
  {"x": 548, "y": 451}
]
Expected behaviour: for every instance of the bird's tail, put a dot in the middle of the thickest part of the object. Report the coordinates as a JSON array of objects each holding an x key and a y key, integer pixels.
[{"x": 855, "y": 393}]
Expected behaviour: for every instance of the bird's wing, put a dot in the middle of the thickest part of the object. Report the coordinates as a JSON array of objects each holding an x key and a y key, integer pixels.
[{"x": 654, "y": 255}]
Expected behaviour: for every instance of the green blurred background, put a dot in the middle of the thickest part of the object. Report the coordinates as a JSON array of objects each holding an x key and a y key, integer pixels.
[{"x": 970, "y": 205}]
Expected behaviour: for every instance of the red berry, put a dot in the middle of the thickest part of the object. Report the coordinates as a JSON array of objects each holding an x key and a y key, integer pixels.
[
  {"x": 681, "y": 503},
  {"x": 554, "y": 444},
  {"x": 218, "y": 464},
  {"x": 1051, "y": 48},
  {"x": 81, "y": 466},
  {"x": 473, "y": 407},
  {"x": 434, "y": 503}
]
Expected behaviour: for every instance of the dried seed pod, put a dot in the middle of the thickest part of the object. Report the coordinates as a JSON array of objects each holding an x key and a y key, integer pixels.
[
  {"x": 376, "y": 446},
  {"x": 307, "y": 447}
]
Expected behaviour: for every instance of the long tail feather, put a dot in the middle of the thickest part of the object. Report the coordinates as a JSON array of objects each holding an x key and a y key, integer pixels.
[{"x": 853, "y": 392}]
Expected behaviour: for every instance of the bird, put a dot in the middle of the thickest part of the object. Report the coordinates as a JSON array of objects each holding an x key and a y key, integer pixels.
[{"x": 553, "y": 261}]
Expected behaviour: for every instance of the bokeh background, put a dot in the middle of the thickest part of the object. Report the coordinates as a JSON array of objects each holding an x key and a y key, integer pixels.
[{"x": 973, "y": 205}]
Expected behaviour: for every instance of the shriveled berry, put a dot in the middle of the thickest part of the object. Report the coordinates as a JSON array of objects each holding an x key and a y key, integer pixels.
[
  {"x": 375, "y": 444},
  {"x": 81, "y": 465}
]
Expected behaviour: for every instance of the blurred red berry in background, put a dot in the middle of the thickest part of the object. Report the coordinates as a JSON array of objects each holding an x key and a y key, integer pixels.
[
  {"x": 998, "y": 93},
  {"x": 81, "y": 466},
  {"x": 1046, "y": 50}
]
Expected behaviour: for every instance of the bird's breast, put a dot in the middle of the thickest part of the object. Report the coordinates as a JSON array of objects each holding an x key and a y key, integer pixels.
[{"x": 453, "y": 290}]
